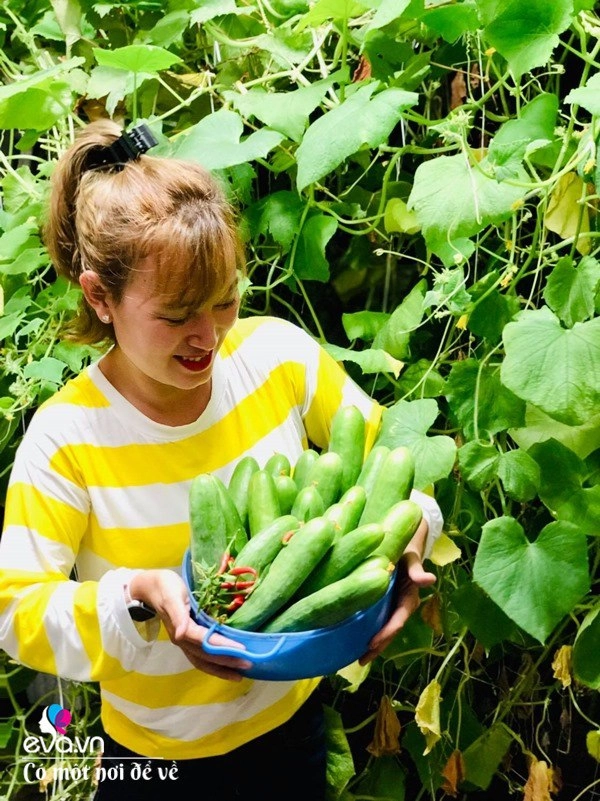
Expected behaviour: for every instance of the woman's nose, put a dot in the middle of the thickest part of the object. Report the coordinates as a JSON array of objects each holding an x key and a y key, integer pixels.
[{"x": 203, "y": 331}]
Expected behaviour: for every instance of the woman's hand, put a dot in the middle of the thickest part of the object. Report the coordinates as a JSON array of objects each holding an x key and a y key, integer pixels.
[
  {"x": 412, "y": 576},
  {"x": 166, "y": 592}
]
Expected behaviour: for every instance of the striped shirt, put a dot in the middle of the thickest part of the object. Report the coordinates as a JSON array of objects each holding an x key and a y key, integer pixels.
[{"x": 99, "y": 491}]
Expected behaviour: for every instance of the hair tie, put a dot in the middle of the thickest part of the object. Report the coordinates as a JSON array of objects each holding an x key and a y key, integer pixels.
[{"x": 128, "y": 147}]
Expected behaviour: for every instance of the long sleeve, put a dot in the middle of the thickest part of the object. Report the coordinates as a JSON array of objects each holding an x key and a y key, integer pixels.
[{"x": 48, "y": 620}]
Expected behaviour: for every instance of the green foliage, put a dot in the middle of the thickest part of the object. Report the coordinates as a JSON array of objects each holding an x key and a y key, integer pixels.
[{"x": 418, "y": 187}]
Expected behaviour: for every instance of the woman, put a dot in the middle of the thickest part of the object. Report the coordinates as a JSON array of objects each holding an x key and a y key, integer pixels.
[{"x": 97, "y": 509}]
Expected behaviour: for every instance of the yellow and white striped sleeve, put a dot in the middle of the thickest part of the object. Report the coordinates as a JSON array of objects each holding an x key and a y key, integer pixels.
[{"x": 49, "y": 621}]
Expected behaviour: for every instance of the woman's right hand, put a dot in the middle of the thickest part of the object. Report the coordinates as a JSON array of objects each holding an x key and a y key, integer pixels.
[{"x": 166, "y": 592}]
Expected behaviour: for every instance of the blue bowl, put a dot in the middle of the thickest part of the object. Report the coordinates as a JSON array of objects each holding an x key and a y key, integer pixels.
[{"x": 295, "y": 655}]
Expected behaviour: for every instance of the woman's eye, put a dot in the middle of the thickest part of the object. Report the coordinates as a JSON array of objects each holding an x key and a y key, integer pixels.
[
  {"x": 174, "y": 321},
  {"x": 227, "y": 304}
]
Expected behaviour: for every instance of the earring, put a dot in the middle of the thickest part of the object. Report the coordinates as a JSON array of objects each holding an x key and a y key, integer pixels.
[{"x": 105, "y": 318}]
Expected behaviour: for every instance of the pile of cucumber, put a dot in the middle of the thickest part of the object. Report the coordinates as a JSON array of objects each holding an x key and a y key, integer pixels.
[{"x": 294, "y": 548}]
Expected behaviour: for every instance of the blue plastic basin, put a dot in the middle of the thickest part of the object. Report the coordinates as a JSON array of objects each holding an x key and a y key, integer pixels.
[{"x": 295, "y": 655}]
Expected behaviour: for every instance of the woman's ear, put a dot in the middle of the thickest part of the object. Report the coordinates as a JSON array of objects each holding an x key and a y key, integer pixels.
[{"x": 96, "y": 295}]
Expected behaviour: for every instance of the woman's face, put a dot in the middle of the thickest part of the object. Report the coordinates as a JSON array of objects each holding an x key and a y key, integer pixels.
[{"x": 166, "y": 345}]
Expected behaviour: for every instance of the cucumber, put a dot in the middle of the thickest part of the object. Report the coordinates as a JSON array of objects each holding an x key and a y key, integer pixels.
[
  {"x": 278, "y": 465},
  {"x": 343, "y": 556},
  {"x": 326, "y": 476},
  {"x": 286, "y": 573},
  {"x": 346, "y": 513},
  {"x": 286, "y": 492},
  {"x": 393, "y": 483},
  {"x": 347, "y": 439},
  {"x": 263, "y": 501},
  {"x": 399, "y": 526},
  {"x": 302, "y": 467},
  {"x": 208, "y": 541},
  {"x": 261, "y": 549},
  {"x": 371, "y": 467},
  {"x": 361, "y": 588},
  {"x": 307, "y": 504},
  {"x": 237, "y": 535},
  {"x": 239, "y": 483}
]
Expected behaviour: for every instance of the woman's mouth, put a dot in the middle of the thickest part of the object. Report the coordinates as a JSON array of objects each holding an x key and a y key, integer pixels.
[{"x": 195, "y": 364}]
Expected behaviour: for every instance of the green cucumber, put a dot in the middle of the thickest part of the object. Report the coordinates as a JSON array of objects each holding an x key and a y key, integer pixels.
[
  {"x": 326, "y": 476},
  {"x": 237, "y": 536},
  {"x": 261, "y": 549},
  {"x": 263, "y": 501},
  {"x": 346, "y": 513},
  {"x": 393, "y": 483},
  {"x": 239, "y": 483},
  {"x": 302, "y": 467},
  {"x": 307, "y": 504},
  {"x": 343, "y": 556},
  {"x": 347, "y": 439},
  {"x": 399, "y": 526},
  {"x": 208, "y": 541},
  {"x": 359, "y": 590},
  {"x": 371, "y": 467},
  {"x": 286, "y": 573},
  {"x": 278, "y": 465},
  {"x": 286, "y": 492}
]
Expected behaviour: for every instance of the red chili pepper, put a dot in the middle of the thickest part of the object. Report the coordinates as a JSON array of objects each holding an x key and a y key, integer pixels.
[
  {"x": 244, "y": 585},
  {"x": 228, "y": 585},
  {"x": 240, "y": 571},
  {"x": 236, "y": 603},
  {"x": 225, "y": 559}
]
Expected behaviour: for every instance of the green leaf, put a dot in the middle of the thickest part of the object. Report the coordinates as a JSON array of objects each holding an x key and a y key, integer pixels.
[
  {"x": 486, "y": 621},
  {"x": 478, "y": 463},
  {"x": 384, "y": 780},
  {"x": 420, "y": 380},
  {"x": 324, "y": 10},
  {"x": 449, "y": 291},
  {"x": 277, "y": 214},
  {"x": 520, "y": 475},
  {"x": 137, "y": 58},
  {"x": 586, "y": 666},
  {"x": 452, "y": 21},
  {"x": 310, "y": 261},
  {"x": 394, "y": 336},
  {"x": 525, "y": 33},
  {"x": 481, "y": 404},
  {"x": 46, "y": 369},
  {"x": 483, "y": 757},
  {"x": 287, "y": 112},
  {"x": 209, "y": 9},
  {"x": 28, "y": 261},
  {"x": 570, "y": 290},
  {"x": 364, "y": 324},
  {"x": 491, "y": 314},
  {"x": 454, "y": 200},
  {"x": 360, "y": 120},
  {"x": 535, "y": 583},
  {"x": 369, "y": 361},
  {"x": 562, "y": 486},
  {"x": 14, "y": 241},
  {"x": 114, "y": 84},
  {"x": 587, "y": 96},
  {"x": 216, "y": 143},
  {"x": 170, "y": 28},
  {"x": 552, "y": 367},
  {"x": 539, "y": 427},
  {"x": 407, "y": 423},
  {"x": 398, "y": 219},
  {"x": 533, "y": 129},
  {"x": 340, "y": 765},
  {"x": 388, "y": 11}
]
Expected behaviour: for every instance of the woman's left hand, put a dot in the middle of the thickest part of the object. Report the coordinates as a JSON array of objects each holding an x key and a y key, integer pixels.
[{"x": 412, "y": 576}]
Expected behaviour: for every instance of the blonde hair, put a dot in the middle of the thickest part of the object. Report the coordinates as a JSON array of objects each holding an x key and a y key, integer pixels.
[{"x": 109, "y": 220}]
